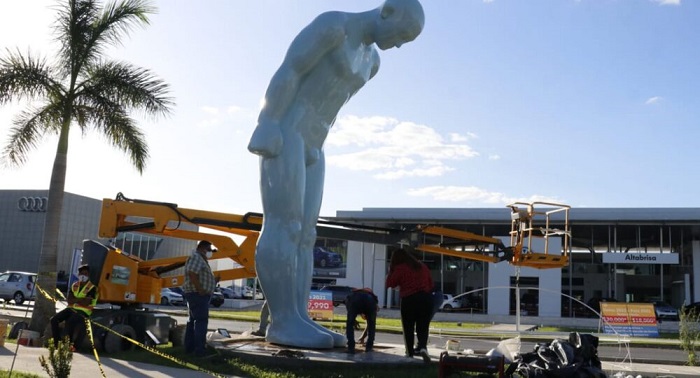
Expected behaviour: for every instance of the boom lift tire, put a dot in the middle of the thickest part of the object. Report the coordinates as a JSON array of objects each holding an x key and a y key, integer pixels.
[{"x": 114, "y": 343}]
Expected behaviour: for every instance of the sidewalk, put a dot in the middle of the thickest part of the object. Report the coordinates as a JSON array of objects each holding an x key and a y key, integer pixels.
[{"x": 85, "y": 366}]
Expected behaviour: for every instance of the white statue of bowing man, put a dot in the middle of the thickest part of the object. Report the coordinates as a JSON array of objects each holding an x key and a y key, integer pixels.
[{"x": 326, "y": 64}]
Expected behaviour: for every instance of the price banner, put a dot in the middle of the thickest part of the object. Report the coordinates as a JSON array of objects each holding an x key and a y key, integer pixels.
[
  {"x": 634, "y": 319},
  {"x": 320, "y": 305}
]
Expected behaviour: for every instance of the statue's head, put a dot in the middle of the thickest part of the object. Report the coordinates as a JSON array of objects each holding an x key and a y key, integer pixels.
[{"x": 400, "y": 21}]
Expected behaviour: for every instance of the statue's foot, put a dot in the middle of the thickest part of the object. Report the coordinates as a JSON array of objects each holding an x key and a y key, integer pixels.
[
  {"x": 299, "y": 334},
  {"x": 339, "y": 340}
]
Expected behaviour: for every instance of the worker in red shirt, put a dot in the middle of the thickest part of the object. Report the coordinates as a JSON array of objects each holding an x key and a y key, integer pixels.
[{"x": 415, "y": 288}]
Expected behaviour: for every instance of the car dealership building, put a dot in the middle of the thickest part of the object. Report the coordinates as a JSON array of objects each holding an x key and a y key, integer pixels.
[{"x": 625, "y": 254}]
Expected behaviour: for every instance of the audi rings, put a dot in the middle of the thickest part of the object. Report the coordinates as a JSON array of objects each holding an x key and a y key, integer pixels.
[{"x": 36, "y": 204}]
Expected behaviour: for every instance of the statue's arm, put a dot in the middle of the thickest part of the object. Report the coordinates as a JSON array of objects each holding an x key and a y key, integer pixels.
[{"x": 312, "y": 44}]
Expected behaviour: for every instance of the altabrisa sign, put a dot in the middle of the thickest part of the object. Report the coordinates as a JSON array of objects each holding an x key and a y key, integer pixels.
[{"x": 640, "y": 258}]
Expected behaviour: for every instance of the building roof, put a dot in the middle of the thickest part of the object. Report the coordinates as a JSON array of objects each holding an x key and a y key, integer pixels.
[{"x": 666, "y": 215}]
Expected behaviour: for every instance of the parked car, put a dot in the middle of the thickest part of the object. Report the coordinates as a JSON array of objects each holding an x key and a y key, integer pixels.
[
  {"x": 217, "y": 299},
  {"x": 170, "y": 297},
  {"x": 665, "y": 311},
  {"x": 227, "y": 292},
  {"x": 248, "y": 293},
  {"x": 17, "y": 286},
  {"x": 324, "y": 258},
  {"x": 449, "y": 302},
  {"x": 339, "y": 293}
]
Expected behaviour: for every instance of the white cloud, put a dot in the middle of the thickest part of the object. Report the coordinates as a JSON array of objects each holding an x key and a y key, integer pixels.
[
  {"x": 494, "y": 157},
  {"x": 455, "y": 137},
  {"x": 233, "y": 109},
  {"x": 434, "y": 171},
  {"x": 473, "y": 194},
  {"x": 214, "y": 116},
  {"x": 394, "y": 149},
  {"x": 667, "y": 2},
  {"x": 210, "y": 110},
  {"x": 653, "y": 100}
]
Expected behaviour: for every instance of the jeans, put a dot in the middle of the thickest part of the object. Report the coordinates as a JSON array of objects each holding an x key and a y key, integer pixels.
[
  {"x": 360, "y": 303},
  {"x": 75, "y": 319},
  {"x": 196, "y": 331}
]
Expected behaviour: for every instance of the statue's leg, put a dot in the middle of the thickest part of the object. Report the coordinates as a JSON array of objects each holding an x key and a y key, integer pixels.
[
  {"x": 282, "y": 186},
  {"x": 313, "y": 196}
]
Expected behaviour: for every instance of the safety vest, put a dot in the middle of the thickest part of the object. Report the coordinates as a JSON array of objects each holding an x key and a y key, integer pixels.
[{"x": 79, "y": 293}]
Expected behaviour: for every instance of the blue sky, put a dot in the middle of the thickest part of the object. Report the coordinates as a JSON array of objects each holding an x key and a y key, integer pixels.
[{"x": 592, "y": 103}]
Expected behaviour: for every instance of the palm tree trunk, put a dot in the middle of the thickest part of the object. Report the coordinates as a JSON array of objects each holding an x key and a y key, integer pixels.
[{"x": 45, "y": 308}]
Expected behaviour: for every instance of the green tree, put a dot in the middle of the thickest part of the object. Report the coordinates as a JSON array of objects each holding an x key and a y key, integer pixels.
[{"x": 82, "y": 88}]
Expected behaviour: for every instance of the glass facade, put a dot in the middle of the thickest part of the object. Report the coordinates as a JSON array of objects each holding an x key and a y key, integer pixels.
[{"x": 587, "y": 279}]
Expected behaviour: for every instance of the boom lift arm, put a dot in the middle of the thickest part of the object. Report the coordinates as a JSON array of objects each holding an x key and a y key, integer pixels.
[{"x": 167, "y": 219}]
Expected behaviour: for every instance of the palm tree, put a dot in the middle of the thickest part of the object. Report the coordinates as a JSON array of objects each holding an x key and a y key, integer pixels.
[{"x": 82, "y": 88}]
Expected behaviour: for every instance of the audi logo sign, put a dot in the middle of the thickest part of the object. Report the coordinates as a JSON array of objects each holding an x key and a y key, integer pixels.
[{"x": 36, "y": 204}]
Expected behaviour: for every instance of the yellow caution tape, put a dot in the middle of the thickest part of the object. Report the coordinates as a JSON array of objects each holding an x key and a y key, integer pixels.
[{"x": 88, "y": 327}]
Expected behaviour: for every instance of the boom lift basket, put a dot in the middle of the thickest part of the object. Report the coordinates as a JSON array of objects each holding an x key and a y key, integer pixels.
[{"x": 529, "y": 223}]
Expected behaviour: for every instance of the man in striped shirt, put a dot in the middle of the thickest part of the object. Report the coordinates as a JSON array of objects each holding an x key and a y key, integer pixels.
[{"x": 199, "y": 286}]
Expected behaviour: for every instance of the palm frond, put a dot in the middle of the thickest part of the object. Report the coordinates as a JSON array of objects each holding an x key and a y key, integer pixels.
[
  {"x": 118, "y": 19},
  {"x": 121, "y": 131},
  {"x": 112, "y": 121},
  {"x": 84, "y": 30},
  {"x": 25, "y": 77},
  {"x": 133, "y": 87},
  {"x": 73, "y": 32},
  {"x": 29, "y": 128}
]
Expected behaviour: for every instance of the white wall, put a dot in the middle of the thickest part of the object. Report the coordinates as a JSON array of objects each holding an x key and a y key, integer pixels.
[
  {"x": 696, "y": 270},
  {"x": 366, "y": 267}
]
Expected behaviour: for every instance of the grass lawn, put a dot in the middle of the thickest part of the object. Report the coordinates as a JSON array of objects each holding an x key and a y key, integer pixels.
[{"x": 17, "y": 374}]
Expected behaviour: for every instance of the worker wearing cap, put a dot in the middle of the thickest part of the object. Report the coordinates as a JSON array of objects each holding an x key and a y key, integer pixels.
[
  {"x": 199, "y": 286},
  {"x": 82, "y": 298}
]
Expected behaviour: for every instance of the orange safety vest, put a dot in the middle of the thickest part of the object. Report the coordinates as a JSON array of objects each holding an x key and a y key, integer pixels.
[{"x": 79, "y": 292}]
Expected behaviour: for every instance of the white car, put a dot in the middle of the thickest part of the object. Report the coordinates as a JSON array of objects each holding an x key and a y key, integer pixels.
[
  {"x": 17, "y": 286},
  {"x": 665, "y": 311},
  {"x": 169, "y": 297},
  {"x": 248, "y": 293},
  {"x": 449, "y": 302}
]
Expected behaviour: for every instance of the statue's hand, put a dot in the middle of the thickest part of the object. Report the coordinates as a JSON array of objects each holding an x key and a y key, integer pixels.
[{"x": 266, "y": 140}]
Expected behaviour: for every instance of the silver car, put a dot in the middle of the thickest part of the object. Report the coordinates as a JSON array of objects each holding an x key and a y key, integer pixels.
[
  {"x": 17, "y": 286},
  {"x": 169, "y": 297}
]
